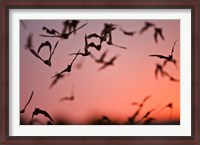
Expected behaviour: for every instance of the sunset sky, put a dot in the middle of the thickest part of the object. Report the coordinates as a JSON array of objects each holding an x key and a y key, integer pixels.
[{"x": 108, "y": 92}]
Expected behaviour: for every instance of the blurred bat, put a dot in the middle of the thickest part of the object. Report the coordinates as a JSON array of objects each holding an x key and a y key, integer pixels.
[
  {"x": 111, "y": 62},
  {"x": 132, "y": 33},
  {"x": 52, "y": 31},
  {"x": 69, "y": 67},
  {"x": 29, "y": 44},
  {"x": 146, "y": 27},
  {"x": 158, "y": 32},
  {"x": 170, "y": 105},
  {"x": 64, "y": 35}
]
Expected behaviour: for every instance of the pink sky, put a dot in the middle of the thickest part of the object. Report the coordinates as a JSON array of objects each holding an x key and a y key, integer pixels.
[{"x": 110, "y": 91}]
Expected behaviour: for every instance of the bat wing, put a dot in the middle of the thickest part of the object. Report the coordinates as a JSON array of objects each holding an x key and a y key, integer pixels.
[
  {"x": 64, "y": 98},
  {"x": 50, "y": 35},
  {"x": 103, "y": 67},
  {"x": 103, "y": 56},
  {"x": 29, "y": 99},
  {"x": 35, "y": 54},
  {"x": 146, "y": 98},
  {"x": 161, "y": 35},
  {"x": 159, "y": 56},
  {"x": 93, "y": 35},
  {"x": 114, "y": 58},
  {"x": 41, "y": 46},
  {"x": 77, "y": 29},
  {"x": 173, "y": 48},
  {"x": 119, "y": 46},
  {"x": 75, "y": 56},
  {"x": 29, "y": 41},
  {"x": 46, "y": 114},
  {"x": 135, "y": 103}
]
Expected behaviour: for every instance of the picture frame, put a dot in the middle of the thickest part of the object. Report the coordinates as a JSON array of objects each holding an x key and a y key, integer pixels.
[{"x": 78, "y": 4}]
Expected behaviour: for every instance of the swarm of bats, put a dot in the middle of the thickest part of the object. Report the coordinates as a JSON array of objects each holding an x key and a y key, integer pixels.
[{"x": 70, "y": 27}]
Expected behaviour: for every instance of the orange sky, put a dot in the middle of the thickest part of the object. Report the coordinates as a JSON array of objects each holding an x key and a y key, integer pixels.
[{"x": 110, "y": 91}]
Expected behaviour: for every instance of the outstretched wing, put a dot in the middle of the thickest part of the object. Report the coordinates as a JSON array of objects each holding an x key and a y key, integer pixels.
[
  {"x": 77, "y": 29},
  {"x": 93, "y": 35},
  {"x": 159, "y": 56},
  {"x": 173, "y": 48},
  {"x": 47, "y": 43},
  {"x": 147, "y": 26},
  {"x": 146, "y": 98},
  {"x": 22, "y": 111},
  {"x": 46, "y": 114},
  {"x": 35, "y": 54},
  {"x": 103, "y": 56},
  {"x": 75, "y": 56}
]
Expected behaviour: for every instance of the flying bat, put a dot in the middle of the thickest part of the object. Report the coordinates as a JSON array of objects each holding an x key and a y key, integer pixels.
[
  {"x": 146, "y": 27},
  {"x": 158, "y": 32},
  {"x": 39, "y": 111}
]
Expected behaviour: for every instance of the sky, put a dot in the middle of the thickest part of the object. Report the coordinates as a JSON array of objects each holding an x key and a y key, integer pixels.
[{"x": 108, "y": 92}]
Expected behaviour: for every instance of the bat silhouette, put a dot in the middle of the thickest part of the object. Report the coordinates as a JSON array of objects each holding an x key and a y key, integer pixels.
[
  {"x": 48, "y": 61},
  {"x": 169, "y": 58},
  {"x": 64, "y": 35},
  {"x": 127, "y": 33},
  {"x": 69, "y": 67},
  {"x": 52, "y": 31},
  {"x": 108, "y": 28},
  {"x": 39, "y": 111},
  {"x": 67, "y": 98},
  {"x": 146, "y": 27},
  {"x": 170, "y": 105},
  {"x": 132, "y": 120},
  {"x": 106, "y": 64},
  {"x": 42, "y": 45},
  {"x": 23, "y": 110},
  {"x": 29, "y": 44},
  {"x": 158, "y": 32}
]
